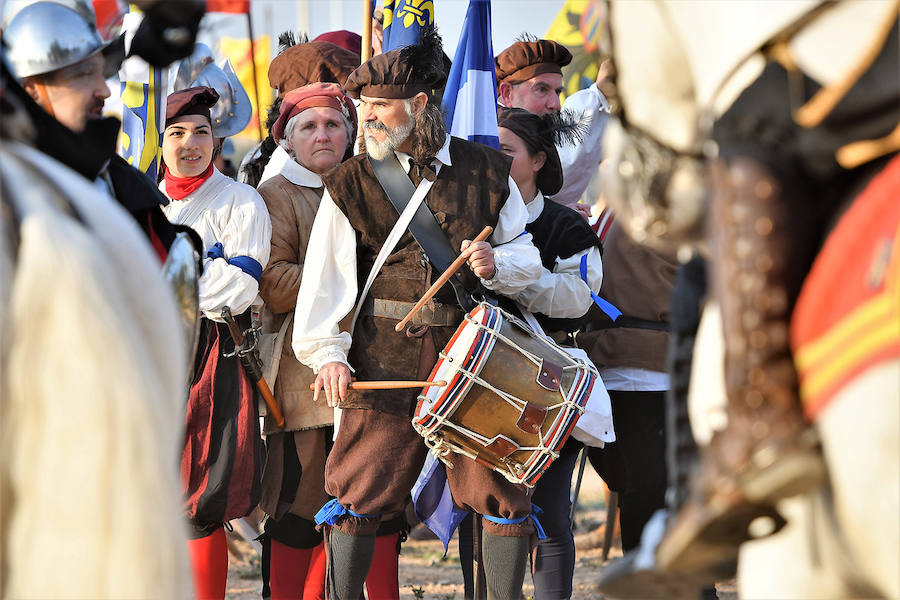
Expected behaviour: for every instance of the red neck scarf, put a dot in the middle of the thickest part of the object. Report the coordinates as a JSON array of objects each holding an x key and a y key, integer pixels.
[{"x": 179, "y": 188}]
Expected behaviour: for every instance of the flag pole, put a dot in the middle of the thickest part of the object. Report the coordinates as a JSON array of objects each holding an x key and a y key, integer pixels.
[
  {"x": 366, "y": 50},
  {"x": 255, "y": 83}
]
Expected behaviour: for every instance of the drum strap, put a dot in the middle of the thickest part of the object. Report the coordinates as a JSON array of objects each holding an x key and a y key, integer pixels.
[
  {"x": 424, "y": 227},
  {"x": 390, "y": 243}
]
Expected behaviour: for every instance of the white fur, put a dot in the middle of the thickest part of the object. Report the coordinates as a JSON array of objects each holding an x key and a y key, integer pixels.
[{"x": 93, "y": 401}]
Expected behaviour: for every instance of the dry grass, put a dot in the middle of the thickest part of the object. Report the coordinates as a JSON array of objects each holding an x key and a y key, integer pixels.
[{"x": 426, "y": 573}]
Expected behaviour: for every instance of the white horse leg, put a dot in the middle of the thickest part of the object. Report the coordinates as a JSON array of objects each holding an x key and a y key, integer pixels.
[
  {"x": 800, "y": 562},
  {"x": 845, "y": 541},
  {"x": 861, "y": 441},
  {"x": 780, "y": 566}
]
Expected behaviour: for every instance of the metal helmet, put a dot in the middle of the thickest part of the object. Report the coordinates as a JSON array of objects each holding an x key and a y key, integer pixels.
[
  {"x": 47, "y": 36},
  {"x": 233, "y": 111}
]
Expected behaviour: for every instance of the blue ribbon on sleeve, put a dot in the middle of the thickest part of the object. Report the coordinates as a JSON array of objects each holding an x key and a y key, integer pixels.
[
  {"x": 216, "y": 251},
  {"x": 333, "y": 511},
  {"x": 533, "y": 515},
  {"x": 248, "y": 265},
  {"x": 606, "y": 306}
]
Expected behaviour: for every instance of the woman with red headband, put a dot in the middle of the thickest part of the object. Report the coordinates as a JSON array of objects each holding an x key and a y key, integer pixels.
[{"x": 316, "y": 127}]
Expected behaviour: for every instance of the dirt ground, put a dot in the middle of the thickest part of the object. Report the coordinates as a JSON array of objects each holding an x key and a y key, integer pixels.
[{"x": 426, "y": 573}]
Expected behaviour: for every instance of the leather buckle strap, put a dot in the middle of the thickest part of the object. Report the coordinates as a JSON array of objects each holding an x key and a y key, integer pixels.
[
  {"x": 423, "y": 226},
  {"x": 434, "y": 314}
]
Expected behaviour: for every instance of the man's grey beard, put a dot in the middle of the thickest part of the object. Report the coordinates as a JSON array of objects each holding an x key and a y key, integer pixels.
[{"x": 394, "y": 138}]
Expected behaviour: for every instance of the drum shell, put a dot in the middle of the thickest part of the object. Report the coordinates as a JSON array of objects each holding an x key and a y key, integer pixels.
[{"x": 482, "y": 410}]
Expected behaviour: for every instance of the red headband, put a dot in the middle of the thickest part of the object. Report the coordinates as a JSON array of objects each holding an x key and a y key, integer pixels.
[{"x": 296, "y": 101}]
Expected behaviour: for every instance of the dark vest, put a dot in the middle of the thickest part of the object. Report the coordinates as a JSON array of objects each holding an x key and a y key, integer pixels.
[
  {"x": 465, "y": 197},
  {"x": 559, "y": 233}
]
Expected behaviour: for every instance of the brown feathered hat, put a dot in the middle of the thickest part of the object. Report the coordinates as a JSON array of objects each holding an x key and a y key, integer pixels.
[
  {"x": 526, "y": 59},
  {"x": 401, "y": 73}
]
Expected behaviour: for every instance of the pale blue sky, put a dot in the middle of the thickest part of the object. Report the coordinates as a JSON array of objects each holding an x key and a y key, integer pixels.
[{"x": 509, "y": 18}]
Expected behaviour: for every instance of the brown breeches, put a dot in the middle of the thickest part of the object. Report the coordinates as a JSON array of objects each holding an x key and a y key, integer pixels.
[
  {"x": 307, "y": 468},
  {"x": 376, "y": 460},
  {"x": 487, "y": 492}
]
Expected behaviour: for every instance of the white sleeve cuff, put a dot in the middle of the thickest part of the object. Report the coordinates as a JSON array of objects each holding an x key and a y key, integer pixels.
[
  {"x": 518, "y": 265},
  {"x": 323, "y": 356}
]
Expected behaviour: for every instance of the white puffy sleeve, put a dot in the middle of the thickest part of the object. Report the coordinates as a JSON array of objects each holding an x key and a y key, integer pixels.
[
  {"x": 246, "y": 233},
  {"x": 517, "y": 260},
  {"x": 562, "y": 293},
  {"x": 328, "y": 289},
  {"x": 580, "y": 161}
]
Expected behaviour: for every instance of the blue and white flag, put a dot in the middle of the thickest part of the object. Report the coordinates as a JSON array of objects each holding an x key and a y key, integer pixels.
[
  {"x": 433, "y": 502},
  {"x": 470, "y": 99},
  {"x": 404, "y": 22}
]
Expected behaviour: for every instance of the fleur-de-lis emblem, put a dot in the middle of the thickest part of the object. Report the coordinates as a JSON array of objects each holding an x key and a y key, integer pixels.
[{"x": 419, "y": 11}]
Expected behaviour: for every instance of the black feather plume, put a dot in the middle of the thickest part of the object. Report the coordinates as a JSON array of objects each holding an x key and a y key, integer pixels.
[
  {"x": 427, "y": 57},
  {"x": 526, "y": 36},
  {"x": 287, "y": 39},
  {"x": 567, "y": 127}
]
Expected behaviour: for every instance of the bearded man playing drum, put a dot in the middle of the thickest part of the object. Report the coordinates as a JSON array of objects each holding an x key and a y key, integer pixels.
[{"x": 377, "y": 454}]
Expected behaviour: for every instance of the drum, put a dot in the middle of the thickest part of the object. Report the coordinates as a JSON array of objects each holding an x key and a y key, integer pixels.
[{"x": 511, "y": 400}]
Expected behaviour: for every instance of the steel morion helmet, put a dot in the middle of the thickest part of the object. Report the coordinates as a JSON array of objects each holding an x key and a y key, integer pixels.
[
  {"x": 233, "y": 111},
  {"x": 46, "y": 36}
]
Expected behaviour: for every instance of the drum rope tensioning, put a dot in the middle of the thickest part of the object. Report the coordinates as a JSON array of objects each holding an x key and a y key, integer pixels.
[{"x": 512, "y": 398}]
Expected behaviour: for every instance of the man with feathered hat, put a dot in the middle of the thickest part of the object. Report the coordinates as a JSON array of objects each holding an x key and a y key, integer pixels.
[
  {"x": 529, "y": 76},
  {"x": 377, "y": 455}
]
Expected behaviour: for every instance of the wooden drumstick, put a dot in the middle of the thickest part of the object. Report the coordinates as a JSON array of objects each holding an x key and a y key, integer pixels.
[
  {"x": 444, "y": 278},
  {"x": 388, "y": 385}
]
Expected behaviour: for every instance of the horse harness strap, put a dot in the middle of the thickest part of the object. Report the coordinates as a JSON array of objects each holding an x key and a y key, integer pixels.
[{"x": 633, "y": 323}]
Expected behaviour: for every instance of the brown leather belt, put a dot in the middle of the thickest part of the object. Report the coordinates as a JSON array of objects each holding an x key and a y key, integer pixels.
[{"x": 438, "y": 315}]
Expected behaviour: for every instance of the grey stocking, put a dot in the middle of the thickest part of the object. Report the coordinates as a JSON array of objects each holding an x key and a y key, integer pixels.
[
  {"x": 349, "y": 559},
  {"x": 505, "y": 562}
]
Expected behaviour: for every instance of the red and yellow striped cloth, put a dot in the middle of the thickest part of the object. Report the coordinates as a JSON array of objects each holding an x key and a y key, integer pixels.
[{"x": 847, "y": 318}]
